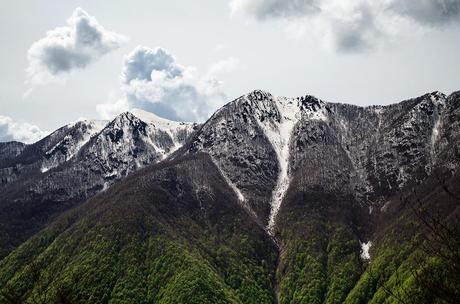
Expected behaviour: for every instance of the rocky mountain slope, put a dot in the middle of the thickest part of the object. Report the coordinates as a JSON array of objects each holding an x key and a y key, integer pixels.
[
  {"x": 269, "y": 143},
  {"x": 272, "y": 200},
  {"x": 74, "y": 163}
]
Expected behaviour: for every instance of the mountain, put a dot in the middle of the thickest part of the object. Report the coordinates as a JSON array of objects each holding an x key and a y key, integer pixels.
[
  {"x": 272, "y": 200},
  {"x": 271, "y": 143},
  {"x": 49, "y": 152},
  {"x": 41, "y": 180}
]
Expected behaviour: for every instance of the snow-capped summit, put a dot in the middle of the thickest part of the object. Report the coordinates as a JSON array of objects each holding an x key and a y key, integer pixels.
[
  {"x": 55, "y": 149},
  {"x": 159, "y": 122},
  {"x": 177, "y": 131},
  {"x": 250, "y": 139},
  {"x": 100, "y": 151},
  {"x": 75, "y": 136},
  {"x": 264, "y": 144},
  {"x": 131, "y": 141}
]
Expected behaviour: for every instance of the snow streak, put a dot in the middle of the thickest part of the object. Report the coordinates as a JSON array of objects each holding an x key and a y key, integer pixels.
[
  {"x": 172, "y": 128},
  {"x": 237, "y": 191},
  {"x": 439, "y": 102},
  {"x": 279, "y": 135}
]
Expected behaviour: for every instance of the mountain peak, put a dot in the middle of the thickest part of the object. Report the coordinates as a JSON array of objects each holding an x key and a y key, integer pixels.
[
  {"x": 157, "y": 121},
  {"x": 306, "y": 103},
  {"x": 125, "y": 116},
  {"x": 259, "y": 94},
  {"x": 438, "y": 98}
]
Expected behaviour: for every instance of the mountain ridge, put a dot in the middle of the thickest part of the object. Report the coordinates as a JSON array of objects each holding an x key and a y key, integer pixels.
[
  {"x": 310, "y": 103},
  {"x": 78, "y": 165},
  {"x": 344, "y": 207}
]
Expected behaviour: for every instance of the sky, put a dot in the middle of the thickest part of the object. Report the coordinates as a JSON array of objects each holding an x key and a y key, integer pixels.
[{"x": 63, "y": 61}]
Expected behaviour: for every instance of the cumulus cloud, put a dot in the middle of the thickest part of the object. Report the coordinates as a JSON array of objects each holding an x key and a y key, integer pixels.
[
  {"x": 11, "y": 130},
  {"x": 352, "y": 25},
  {"x": 152, "y": 80},
  {"x": 74, "y": 46},
  {"x": 112, "y": 108}
]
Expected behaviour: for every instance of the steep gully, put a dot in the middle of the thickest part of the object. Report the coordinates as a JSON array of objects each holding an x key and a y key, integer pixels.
[{"x": 279, "y": 133}]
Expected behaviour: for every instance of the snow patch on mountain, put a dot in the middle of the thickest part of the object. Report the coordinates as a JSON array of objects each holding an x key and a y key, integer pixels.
[
  {"x": 435, "y": 133},
  {"x": 365, "y": 247},
  {"x": 279, "y": 134},
  {"x": 439, "y": 100},
  {"x": 172, "y": 128}
]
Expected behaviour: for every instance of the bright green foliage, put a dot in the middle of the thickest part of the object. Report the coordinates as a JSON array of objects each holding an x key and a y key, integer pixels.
[
  {"x": 141, "y": 269},
  {"x": 399, "y": 266},
  {"x": 322, "y": 269},
  {"x": 128, "y": 246},
  {"x": 166, "y": 244}
]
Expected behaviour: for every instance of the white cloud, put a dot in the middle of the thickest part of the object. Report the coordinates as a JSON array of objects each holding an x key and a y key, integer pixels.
[
  {"x": 352, "y": 25},
  {"x": 11, "y": 130},
  {"x": 223, "y": 66},
  {"x": 74, "y": 46},
  {"x": 428, "y": 12},
  {"x": 264, "y": 9},
  {"x": 111, "y": 109},
  {"x": 152, "y": 80}
]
